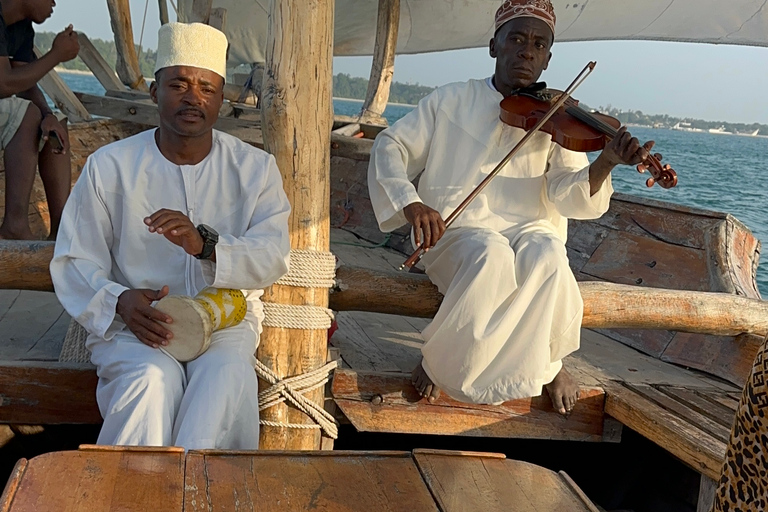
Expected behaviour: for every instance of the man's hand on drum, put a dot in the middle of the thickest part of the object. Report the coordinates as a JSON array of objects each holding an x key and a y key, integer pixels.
[
  {"x": 177, "y": 228},
  {"x": 146, "y": 322},
  {"x": 428, "y": 225}
]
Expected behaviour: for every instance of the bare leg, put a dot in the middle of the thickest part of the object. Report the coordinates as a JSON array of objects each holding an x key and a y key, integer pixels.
[
  {"x": 564, "y": 392},
  {"x": 424, "y": 385},
  {"x": 56, "y": 173},
  {"x": 20, "y": 163}
]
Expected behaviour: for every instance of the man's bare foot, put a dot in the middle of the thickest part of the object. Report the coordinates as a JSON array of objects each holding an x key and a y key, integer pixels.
[
  {"x": 564, "y": 392},
  {"x": 9, "y": 234},
  {"x": 424, "y": 384}
]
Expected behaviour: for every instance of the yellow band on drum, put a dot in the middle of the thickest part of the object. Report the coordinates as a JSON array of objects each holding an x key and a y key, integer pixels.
[{"x": 227, "y": 307}]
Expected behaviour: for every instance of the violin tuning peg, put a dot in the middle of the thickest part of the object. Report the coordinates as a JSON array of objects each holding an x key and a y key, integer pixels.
[
  {"x": 641, "y": 168},
  {"x": 650, "y": 182},
  {"x": 658, "y": 157}
]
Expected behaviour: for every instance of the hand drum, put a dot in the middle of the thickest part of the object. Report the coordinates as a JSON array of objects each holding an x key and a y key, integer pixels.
[{"x": 195, "y": 319}]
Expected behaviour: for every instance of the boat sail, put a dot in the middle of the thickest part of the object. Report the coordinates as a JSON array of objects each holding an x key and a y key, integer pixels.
[{"x": 434, "y": 25}]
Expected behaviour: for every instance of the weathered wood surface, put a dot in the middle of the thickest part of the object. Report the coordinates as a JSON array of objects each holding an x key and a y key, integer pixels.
[
  {"x": 494, "y": 484},
  {"x": 62, "y": 96},
  {"x": 667, "y": 428},
  {"x": 105, "y": 480},
  {"x": 338, "y": 481},
  {"x": 218, "y": 18},
  {"x": 25, "y": 265},
  {"x": 386, "y": 402},
  {"x": 707, "y": 490},
  {"x": 162, "y": 6},
  {"x": 146, "y": 113},
  {"x": 98, "y": 66},
  {"x": 297, "y": 114},
  {"x": 32, "y": 326},
  {"x": 200, "y": 12},
  {"x": 48, "y": 393},
  {"x": 127, "y": 64},
  {"x": 606, "y": 305},
  {"x": 383, "y": 67}
]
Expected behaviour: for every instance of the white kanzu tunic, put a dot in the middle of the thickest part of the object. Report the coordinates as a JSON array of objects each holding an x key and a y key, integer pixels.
[
  {"x": 104, "y": 248},
  {"x": 512, "y": 309}
]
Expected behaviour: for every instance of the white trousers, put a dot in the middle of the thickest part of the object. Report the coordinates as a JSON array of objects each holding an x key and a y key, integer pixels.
[
  {"x": 512, "y": 310},
  {"x": 147, "y": 398}
]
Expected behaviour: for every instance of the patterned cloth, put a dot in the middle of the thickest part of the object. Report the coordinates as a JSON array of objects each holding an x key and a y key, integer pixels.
[
  {"x": 743, "y": 483},
  {"x": 540, "y": 9}
]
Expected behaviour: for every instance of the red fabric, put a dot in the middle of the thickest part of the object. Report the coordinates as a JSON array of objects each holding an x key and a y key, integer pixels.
[{"x": 511, "y": 9}]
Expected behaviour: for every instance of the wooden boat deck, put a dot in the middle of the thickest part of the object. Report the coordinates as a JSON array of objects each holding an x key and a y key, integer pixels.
[{"x": 105, "y": 478}]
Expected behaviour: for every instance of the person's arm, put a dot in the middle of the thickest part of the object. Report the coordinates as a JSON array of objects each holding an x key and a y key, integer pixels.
[
  {"x": 251, "y": 261},
  {"x": 50, "y": 122},
  {"x": 82, "y": 262},
  {"x": 398, "y": 155},
  {"x": 17, "y": 79}
]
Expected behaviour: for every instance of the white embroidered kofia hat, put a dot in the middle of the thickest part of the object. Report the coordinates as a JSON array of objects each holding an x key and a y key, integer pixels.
[{"x": 192, "y": 44}]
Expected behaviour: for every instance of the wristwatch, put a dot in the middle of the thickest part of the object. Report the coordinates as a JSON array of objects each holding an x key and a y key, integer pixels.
[{"x": 210, "y": 239}]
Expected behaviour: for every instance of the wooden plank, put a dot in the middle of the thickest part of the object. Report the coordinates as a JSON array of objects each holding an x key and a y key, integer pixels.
[
  {"x": 375, "y": 402},
  {"x": 48, "y": 346},
  {"x": 12, "y": 486},
  {"x": 300, "y": 481},
  {"x": 354, "y": 251},
  {"x": 702, "y": 452},
  {"x": 23, "y": 326},
  {"x": 648, "y": 262},
  {"x": 707, "y": 491},
  {"x": 98, "y": 66},
  {"x": 716, "y": 412},
  {"x": 721, "y": 399},
  {"x": 62, "y": 96},
  {"x": 143, "y": 113},
  {"x": 357, "y": 350},
  {"x": 84, "y": 481},
  {"x": 7, "y": 299},
  {"x": 48, "y": 393},
  {"x": 608, "y": 360},
  {"x": 485, "y": 484},
  {"x": 25, "y": 265},
  {"x": 576, "y": 490},
  {"x": 683, "y": 411}
]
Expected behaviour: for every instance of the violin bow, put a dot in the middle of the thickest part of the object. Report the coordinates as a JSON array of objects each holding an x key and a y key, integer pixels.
[{"x": 419, "y": 252}]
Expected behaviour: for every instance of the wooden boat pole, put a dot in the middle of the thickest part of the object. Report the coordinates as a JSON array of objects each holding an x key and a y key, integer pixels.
[
  {"x": 383, "y": 66},
  {"x": 127, "y": 65},
  {"x": 163, "y": 7},
  {"x": 606, "y": 305},
  {"x": 296, "y": 122},
  {"x": 201, "y": 11}
]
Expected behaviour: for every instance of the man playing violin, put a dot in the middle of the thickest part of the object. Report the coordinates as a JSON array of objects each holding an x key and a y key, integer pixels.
[{"x": 512, "y": 308}]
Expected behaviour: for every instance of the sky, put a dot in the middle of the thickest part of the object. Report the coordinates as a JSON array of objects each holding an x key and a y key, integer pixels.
[{"x": 712, "y": 82}]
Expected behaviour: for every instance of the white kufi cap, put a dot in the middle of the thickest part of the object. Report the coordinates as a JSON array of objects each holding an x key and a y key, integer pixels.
[{"x": 192, "y": 44}]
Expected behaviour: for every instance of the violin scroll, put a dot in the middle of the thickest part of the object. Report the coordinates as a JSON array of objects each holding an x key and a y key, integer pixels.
[{"x": 663, "y": 174}]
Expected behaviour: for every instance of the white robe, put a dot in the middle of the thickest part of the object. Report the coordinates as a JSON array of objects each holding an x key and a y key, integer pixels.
[
  {"x": 104, "y": 248},
  {"x": 512, "y": 309}
]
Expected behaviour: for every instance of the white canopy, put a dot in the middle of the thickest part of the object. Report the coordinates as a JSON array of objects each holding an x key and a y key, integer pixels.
[{"x": 435, "y": 25}]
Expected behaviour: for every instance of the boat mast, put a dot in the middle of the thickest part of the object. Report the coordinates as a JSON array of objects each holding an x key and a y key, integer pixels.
[
  {"x": 296, "y": 119},
  {"x": 383, "y": 66},
  {"x": 127, "y": 61}
]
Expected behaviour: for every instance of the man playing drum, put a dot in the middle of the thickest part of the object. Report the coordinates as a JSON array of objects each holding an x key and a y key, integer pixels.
[
  {"x": 512, "y": 310},
  {"x": 175, "y": 209}
]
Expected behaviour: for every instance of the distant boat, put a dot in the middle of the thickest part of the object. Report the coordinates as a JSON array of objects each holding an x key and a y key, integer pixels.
[
  {"x": 720, "y": 131},
  {"x": 686, "y": 127}
]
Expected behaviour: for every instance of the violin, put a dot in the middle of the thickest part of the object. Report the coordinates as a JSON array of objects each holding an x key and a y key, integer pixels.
[
  {"x": 576, "y": 129},
  {"x": 570, "y": 126}
]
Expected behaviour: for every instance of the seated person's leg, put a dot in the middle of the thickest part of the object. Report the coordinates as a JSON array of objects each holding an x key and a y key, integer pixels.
[
  {"x": 20, "y": 142},
  {"x": 139, "y": 392},
  {"x": 56, "y": 173},
  {"x": 474, "y": 269},
  {"x": 543, "y": 258},
  {"x": 220, "y": 407}
]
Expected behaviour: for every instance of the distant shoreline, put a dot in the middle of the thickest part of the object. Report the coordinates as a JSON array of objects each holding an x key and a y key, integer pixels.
[
  {"x": 60, "y": 69},
  {"x": 388, "y": 103}
]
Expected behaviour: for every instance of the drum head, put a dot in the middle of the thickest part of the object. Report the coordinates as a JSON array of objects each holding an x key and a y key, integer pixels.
[{"x": 191, "y": 327}]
